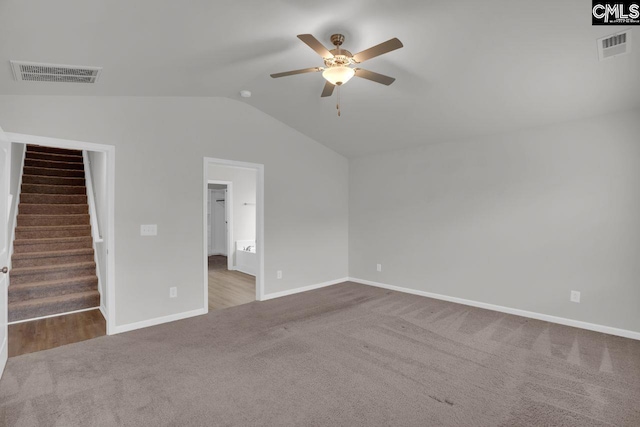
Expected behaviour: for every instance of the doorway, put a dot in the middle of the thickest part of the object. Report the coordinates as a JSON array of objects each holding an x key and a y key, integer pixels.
[
  {"x": 233, "y": 218},
  {"x": 80, "y": 222}
]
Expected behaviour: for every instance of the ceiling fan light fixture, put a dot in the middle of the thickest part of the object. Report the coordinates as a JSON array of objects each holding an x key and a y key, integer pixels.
[{"x": 338, "y": 76}]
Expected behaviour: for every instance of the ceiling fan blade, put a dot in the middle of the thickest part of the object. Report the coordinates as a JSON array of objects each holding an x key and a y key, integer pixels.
[
  {"x": 374, "y": 77},
  {"x": 378, "y": 50},
  {"x": 302, "y": 71},
  {"x": 314, "y": 44},
  {"x": 328, "y": 89}
]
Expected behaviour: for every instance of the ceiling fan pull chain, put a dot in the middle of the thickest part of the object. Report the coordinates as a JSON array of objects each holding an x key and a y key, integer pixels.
[{"x": 338, "y": 104}]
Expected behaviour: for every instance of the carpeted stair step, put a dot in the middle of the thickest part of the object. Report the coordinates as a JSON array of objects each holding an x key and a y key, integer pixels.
[
  {"x": 52, "y": 231},
  {"x": 52, "y": 288},
  {"x": 41, "y": 259},
  {"x": 53, "y": 189},
  {"x": 52, "y": 272},
  {"x": 59, "y": 209},
  {"x": 53, "y": 199},
  {"x": 73, "y": 158},
  {"x": 54, "y": 150},
  {"x": 33, "y": 308},
  {"x": 54, "y": 269},
  {"x": 53, "y": 244},
  {"x": 52, "y": 219},
  {"x": 53, "y": 164},
  {"x": 48, "y": 171},
  {"x": 52, "y": 180}
]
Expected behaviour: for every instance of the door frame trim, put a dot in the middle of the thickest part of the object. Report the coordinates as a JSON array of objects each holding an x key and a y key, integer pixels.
[
  {"x": 110, "y": 151},
  {"x": 259, "y": 168}
]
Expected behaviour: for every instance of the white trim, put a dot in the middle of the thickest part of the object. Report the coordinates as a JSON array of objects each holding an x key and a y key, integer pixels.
[
  {"x": 4, "y": 354},
  {"x": 228, "y": 205},
  {"x": 103, "y": 310},
  {"x": 245, "y": 271},
  {"x": 259, "y": 168},
  {"x": 110, "y": 152},
  {"x": 15, "y": 322},
  {"x": 46, "y": 141},
  {"x": 530, "y": 314},
  {"x": 16, "y": 202},
  {"x": 304, "y": 289},
  {"x": 158, "y": 320}
]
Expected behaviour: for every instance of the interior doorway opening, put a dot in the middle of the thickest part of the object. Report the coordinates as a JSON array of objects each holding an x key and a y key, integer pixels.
[
  {"x": 61, "y": 232},
  {"x": 232, "y": 225}
]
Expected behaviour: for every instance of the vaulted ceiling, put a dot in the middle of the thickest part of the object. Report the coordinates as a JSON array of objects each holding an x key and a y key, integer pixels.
[{"x": 468, "y": 68}]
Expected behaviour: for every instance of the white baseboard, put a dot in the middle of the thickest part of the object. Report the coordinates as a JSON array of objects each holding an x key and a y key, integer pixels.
[
  {"x": 303, "y": 289},
  {"x": 4, "y": 354},
  {"x": 103, "y": 310},
  {"x": 530, "y": 314},
  {"x": 243, "y": 269},
  {"x": 158, "y": 320}
]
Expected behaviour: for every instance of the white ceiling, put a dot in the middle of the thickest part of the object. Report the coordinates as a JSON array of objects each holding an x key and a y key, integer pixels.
[{"x": 468, "y": 67}]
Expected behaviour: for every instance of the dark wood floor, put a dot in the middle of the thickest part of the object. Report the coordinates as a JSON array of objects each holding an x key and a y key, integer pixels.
[
  {"x": 43, "y": 334},
  {"x": 228, "y": 288}
]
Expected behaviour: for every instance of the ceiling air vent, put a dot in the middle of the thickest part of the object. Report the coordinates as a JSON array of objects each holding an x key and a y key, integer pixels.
[
  {"x": 614, "y": 45},
  {"x": 37, "y": 72}
]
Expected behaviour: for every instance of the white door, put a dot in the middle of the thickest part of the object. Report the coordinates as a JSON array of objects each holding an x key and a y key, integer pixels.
[{"x": 5, "y": 165}]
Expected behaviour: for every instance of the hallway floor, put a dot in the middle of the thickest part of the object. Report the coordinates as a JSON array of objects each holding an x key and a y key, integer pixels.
[{"x": 228, "y": 288}]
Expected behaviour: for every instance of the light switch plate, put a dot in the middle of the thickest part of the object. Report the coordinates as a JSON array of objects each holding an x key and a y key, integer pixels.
[{"x": 149, "y": 230}]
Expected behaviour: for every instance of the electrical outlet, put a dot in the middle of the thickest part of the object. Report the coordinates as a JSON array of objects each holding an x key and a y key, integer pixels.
[
  {"x": 575, "y": 296},
  {"x": 279, "y": 274},
  {"x": 173, "y": 292},
  {"x": 379, "y": 267},
  {"x": 149, "y": 230}
]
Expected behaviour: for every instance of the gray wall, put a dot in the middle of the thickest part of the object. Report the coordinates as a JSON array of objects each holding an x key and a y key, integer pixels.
[
  {"x": 517, "y": 220},
  {"x": 160, "y": 145}
]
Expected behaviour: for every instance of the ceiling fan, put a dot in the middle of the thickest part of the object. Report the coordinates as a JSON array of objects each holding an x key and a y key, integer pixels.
[{"x": 338, "y": 62}]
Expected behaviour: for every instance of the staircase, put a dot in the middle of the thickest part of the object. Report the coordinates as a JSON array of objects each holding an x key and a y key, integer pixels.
[{"x": 53, "y": 268}]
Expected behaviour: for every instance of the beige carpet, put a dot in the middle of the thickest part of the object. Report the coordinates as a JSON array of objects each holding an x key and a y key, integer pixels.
[{"x": 347, "y": 355}]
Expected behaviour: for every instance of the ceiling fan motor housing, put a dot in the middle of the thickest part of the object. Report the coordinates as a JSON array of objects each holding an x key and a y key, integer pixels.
[{"x": 343, "y": 58}]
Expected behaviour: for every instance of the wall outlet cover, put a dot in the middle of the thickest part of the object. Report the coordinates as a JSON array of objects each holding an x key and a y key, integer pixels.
[
  {"x": 173, "y": 292},
  {"x": 149, "y": 230},
  {"x": 279, "y": 274},
  {"x": 379, "y": 267},
  {"x": 575, "y": 296}
]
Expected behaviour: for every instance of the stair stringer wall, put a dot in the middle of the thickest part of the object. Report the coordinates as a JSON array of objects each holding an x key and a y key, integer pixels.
[
  {"x": 15, "y": 201},
  {"x": 98, "y": 241}
]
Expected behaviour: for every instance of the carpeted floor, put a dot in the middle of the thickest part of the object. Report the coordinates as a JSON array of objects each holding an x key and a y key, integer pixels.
[{"x": 348, "y": 355}]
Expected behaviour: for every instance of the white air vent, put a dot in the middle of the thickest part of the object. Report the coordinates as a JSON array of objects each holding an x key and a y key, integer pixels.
[
  {"x": 614, "y": 45},
  {"x": 37, "y": 72}
]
